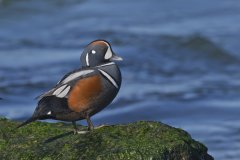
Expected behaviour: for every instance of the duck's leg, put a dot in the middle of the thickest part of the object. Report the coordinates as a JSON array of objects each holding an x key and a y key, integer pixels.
[
  {"x": 76, "y": 129},
  {"x": 90, "y": 124}
]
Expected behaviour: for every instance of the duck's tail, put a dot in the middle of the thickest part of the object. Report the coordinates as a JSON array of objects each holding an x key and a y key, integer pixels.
[{"x": 27, "y": 122}]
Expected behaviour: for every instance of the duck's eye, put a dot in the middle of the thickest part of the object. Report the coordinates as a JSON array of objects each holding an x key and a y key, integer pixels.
[{"x": 93, "y": 51}]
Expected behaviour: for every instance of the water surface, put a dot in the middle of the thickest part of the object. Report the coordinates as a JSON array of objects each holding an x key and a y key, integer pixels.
[{"x": 181, "y": 61}]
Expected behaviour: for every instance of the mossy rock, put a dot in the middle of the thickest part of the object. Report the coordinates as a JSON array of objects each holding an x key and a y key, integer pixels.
[{"x": 140, "y": 140}]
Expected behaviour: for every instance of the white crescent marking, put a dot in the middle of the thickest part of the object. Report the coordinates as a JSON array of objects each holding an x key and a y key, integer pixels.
[{"x": 87, "y": 60}]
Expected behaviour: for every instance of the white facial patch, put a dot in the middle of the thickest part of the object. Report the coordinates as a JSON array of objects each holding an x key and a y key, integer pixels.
[
  {"x": 49, "y": 113},
  {"x": 108, "y": 54},
  {"x": 94, "y": 52}
]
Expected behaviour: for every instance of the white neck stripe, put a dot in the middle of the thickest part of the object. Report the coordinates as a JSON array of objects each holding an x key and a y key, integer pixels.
[
  {"x": 107, "y": 64},
  {"x": 105, "y": 74}
]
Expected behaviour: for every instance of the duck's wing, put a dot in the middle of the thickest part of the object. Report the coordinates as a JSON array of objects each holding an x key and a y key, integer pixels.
[{"x": 63, "y": 87}]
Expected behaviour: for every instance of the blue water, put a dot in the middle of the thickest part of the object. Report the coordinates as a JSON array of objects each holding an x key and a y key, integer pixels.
[{"x": 181, "y": 60}]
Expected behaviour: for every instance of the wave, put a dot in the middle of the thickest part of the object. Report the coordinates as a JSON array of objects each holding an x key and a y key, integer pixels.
[{"x": 202, "y": 47}]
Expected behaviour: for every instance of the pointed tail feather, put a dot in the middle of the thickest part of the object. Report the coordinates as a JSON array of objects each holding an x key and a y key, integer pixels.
[{"x": 27, "y": 122}]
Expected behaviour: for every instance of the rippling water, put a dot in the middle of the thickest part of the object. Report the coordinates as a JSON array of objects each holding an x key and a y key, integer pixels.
[{"x": 181, "y": 63}]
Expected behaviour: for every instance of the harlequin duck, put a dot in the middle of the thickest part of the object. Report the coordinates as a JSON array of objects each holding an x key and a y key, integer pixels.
[{"x": 83, "y": 92}]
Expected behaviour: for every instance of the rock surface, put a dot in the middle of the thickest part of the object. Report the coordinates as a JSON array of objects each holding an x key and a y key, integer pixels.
[{"x": 139, "y": 140}]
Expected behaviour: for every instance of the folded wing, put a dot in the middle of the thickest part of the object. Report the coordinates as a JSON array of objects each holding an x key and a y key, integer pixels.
[{"x": 64, "y": 86}]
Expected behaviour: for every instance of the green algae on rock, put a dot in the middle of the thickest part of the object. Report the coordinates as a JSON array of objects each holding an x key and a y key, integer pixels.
[{"x": 139, "y": 140}]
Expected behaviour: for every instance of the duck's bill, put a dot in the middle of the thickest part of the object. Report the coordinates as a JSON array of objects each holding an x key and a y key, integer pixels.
[{"x": 116, "y": 58}]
